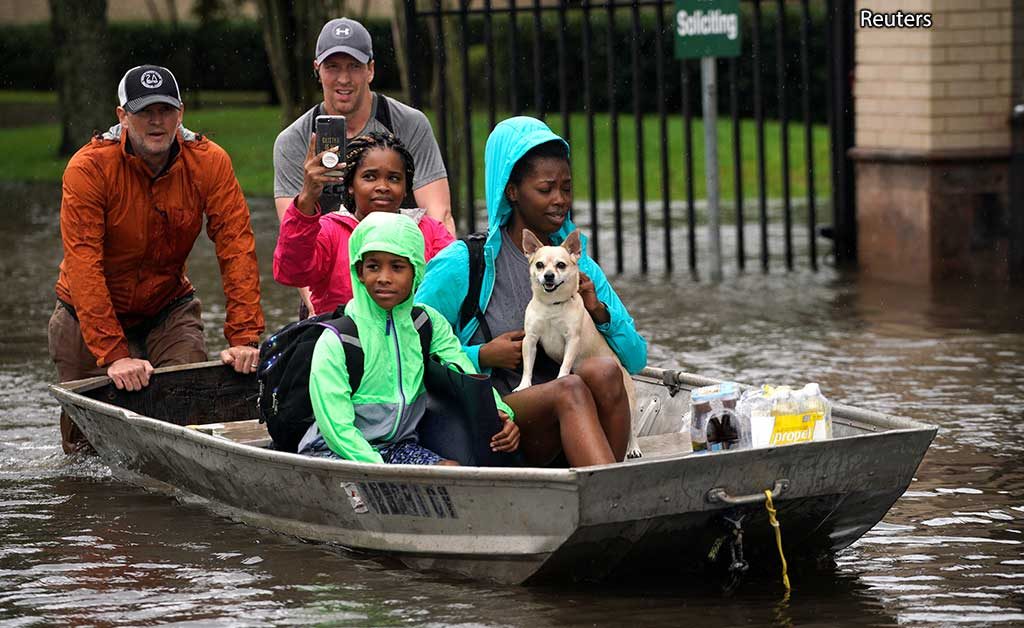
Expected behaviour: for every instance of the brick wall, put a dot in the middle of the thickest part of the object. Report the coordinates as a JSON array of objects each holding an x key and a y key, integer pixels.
[{"x": 945, "y": 87}]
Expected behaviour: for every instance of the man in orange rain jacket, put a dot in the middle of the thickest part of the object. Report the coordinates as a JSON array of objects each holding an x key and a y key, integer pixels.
[{"x": 134, "y": 201}]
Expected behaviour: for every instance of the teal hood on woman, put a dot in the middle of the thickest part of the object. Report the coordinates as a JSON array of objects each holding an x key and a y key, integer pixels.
[
  {"x": 447, "y": 280},
  {"x": 508, "y": 142}
]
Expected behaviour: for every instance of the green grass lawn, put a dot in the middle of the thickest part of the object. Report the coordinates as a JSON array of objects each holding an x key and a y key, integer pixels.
[
  {"x": 23, "y": 97},
  {"x": 676, "y": 169},
  {"x": 248, "y": 132}
]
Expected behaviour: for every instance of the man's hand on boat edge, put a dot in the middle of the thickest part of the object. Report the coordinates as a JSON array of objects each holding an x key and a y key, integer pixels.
[
  {"x": 130, "y": 373},
  {"x": 243, "y": 358}
]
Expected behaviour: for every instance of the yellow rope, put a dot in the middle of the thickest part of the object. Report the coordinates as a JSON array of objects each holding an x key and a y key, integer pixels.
[{"x": 778, "y": 536}]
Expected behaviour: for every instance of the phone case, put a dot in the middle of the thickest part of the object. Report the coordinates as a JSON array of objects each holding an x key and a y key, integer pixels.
[{"x": 330, "y": 132}]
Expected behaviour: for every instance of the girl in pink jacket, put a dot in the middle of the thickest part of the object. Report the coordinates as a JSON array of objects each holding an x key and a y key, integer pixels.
[{"x": 312, "y": 249}]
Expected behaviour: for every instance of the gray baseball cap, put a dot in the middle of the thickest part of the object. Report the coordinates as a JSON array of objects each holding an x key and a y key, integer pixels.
[{"x": 344, "y": 35}]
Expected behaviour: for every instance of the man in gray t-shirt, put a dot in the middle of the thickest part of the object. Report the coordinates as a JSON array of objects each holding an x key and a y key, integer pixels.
[{"x": 344, "y": 66}]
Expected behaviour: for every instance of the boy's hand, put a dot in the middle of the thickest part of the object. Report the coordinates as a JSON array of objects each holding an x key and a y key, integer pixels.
[
  {"x": 315, "y": 177},
  {"x": 504, "y": 351},
  {"x": 507, "y": 440}
]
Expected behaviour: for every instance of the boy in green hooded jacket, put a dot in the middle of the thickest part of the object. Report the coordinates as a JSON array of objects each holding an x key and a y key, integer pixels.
[{"x": 377, "y": 423}]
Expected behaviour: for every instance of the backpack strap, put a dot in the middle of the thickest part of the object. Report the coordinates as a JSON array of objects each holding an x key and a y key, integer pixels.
[
  {"x": 348, "y": 334},
  {"x": 320, "y": 111},
  {"x": 383, "y": 112},
  {"x": 470, "y": 308},
  {"x": 425, "y": 329},
  {"x": 355, "y": 359}
]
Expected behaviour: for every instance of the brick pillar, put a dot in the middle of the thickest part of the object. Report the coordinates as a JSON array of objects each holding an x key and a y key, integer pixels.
[{"x": 933, "y": 141}]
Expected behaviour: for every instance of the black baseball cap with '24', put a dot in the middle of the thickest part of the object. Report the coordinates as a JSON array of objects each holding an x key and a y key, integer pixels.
[{"x": 144, "y": 85}]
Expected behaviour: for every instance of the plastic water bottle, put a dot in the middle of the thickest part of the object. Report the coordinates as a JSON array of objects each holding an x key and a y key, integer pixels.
[
  {"x": 714, "y": 424},
  {"x": 814, "y": 403},
  {"x": 780, "y": 415},
  {"x": 756, "y": 406}
]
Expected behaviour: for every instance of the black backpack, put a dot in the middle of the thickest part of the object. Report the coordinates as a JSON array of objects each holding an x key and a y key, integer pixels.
[{"x": 285, "y": 361}]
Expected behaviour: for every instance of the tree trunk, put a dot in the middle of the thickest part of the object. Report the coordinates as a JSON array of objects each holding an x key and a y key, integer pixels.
[
  {"x": 358, "y": 10},
  {"x": 154, "y": 13},
  {"x": 84, "y": 81},
  {"x": 172, "y": 11},
  {"x": 290, "y": 30},
  {"x": 398, "y": 37}
]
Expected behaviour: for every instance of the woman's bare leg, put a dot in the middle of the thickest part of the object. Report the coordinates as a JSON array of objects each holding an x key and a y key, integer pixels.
[
  {"x": 560, "y": 416},
  {"x": 604, "y": 379}
]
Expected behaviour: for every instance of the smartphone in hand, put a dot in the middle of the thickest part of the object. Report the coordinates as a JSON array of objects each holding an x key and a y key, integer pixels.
[{"x": 330, "y": 132}]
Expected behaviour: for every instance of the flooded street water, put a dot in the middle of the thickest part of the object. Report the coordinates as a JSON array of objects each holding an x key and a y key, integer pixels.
[{"x": 78, "y": 548}]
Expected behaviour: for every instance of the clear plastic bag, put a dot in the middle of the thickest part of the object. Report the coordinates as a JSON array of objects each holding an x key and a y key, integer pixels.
[
  {"x": 714, "y": 422},
  {"x": 782, "y": 415}
]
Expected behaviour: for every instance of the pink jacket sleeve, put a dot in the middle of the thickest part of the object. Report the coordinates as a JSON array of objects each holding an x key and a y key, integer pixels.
[
  {"x": 435, "y": 237},
  {"x": 304, "y": 254}
]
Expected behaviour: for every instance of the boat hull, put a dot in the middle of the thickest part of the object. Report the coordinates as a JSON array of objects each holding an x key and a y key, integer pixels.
[{"x": 516, "y": 525}]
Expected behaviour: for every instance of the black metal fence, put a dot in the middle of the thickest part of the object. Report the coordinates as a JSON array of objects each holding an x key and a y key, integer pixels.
[{"x": 603, "y": 53}]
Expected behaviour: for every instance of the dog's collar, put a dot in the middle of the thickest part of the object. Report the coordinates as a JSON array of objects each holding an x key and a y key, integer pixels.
[{"x": 561, "y": 302}]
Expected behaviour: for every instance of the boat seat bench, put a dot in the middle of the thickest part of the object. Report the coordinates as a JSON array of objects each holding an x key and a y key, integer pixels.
[
  {"x": 662, "y": 445},
  {"x": 247, "y": 432}
]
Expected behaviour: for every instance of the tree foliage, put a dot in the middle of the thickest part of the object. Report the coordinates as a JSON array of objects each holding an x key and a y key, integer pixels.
[{"x": 290, "y": 29}]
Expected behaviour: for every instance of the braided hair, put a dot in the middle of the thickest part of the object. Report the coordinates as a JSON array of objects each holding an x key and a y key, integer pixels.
[{"x": 356, "y": 150}]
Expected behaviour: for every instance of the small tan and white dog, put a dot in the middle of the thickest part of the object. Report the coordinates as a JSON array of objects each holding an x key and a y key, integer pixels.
[{"x": 557, "y": 319}]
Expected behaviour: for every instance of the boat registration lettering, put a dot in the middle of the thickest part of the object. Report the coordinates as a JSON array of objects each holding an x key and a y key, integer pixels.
[
  {"x": 410, "y": 500},
  {"x": 795, "y": 428}
]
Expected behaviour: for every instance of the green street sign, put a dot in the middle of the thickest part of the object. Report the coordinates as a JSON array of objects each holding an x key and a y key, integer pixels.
[{"x": 707, "y": 28}]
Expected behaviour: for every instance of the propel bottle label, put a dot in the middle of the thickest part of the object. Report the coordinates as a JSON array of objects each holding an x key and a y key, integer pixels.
[{"x": 795, "y": 428}]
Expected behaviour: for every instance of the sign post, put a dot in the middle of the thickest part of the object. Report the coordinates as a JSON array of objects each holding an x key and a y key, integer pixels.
[{"x": 707, "y": 29}]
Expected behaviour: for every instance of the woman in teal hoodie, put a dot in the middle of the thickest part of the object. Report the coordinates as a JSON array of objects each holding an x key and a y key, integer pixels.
[
  {"x": 529, "y": 184},
  {"x": 377, "y": 422}
]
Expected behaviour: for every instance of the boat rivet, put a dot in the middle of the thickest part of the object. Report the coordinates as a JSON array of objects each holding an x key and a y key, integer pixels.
[{"x": 665, "y": 498}]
